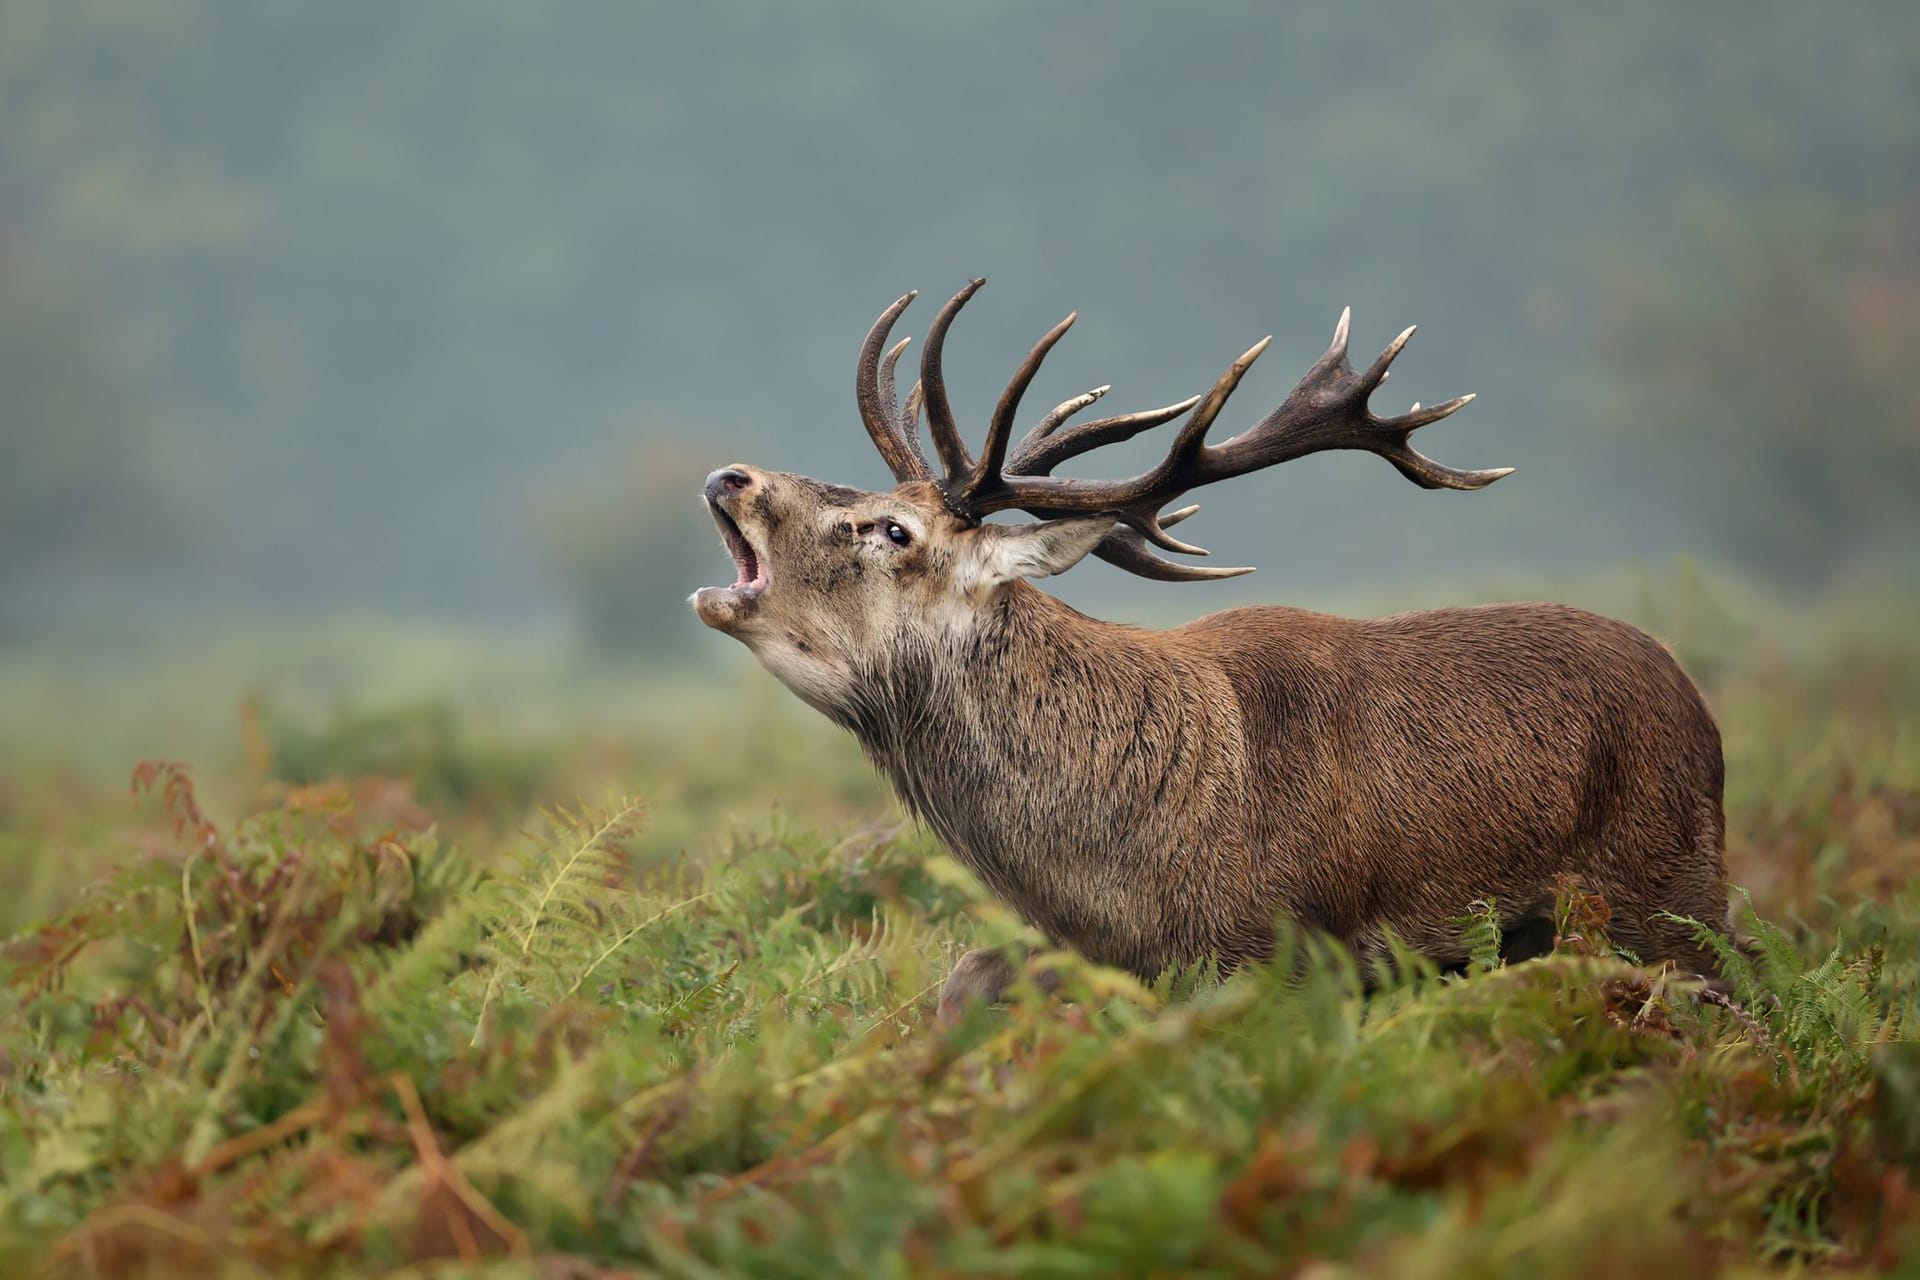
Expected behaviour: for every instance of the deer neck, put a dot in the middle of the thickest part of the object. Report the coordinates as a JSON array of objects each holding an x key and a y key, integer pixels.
[{"x": 1039, "y": 743}]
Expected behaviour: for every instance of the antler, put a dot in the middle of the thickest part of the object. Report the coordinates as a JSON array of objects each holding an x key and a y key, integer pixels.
[
  {"x": 891, "y": 428},
  {"x": 1326, "y": 410}
]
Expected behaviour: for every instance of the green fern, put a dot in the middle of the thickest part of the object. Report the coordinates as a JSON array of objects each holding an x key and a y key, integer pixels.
[
  {"x": 1831, "y": 1010},
  {"x": 1480, "y": 934},
  {"x": 696, "y": 1006},
  {"x": 553, "y": 916},
  {"x": 728, "y": 1063},
  {"x": 856, "y": 971},
  {"x": 1735, "y": 965},
  {"x": 1819, "y": 1014},
  {"x": 414, "y": 976}
]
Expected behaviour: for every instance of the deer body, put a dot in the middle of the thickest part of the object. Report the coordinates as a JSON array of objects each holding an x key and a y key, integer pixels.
[
  {"x": 1147, "y": 798},
  {"x": 1157, "y": 797}
]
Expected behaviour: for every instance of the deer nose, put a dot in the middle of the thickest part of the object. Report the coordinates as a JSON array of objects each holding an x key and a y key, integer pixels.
[{"x": 725, "y": 481}]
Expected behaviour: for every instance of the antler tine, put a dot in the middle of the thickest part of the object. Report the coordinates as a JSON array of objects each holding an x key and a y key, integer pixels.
[
  {"x": 906, "y": 420},
  {"x": 910, "y": 412},
  {"x": 1328, "y": 410},
  {"x": 1337, "y": 351},
  {"x": 1038, "y": 457},
  {"x": 1124, "y": 548},
  {"x": 1154, "y": 530},
  {"x": 889, "y": 400},
  {"x": 1173, "y": 476},
  {"x": 985, "y": 475},
  {"x": 1057, "y": 415},
  {"x": 1377, "y": 372},
  {"x": 1060, "y": 495},
  {"x": 940, "y": 424},
  {"x": 1421, "y": 469},
  {"x": 873, "y": 390}
]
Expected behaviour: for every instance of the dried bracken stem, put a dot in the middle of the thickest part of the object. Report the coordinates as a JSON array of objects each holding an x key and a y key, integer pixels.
[
  {"x": 234, "y": 1150},
  {"x": 442, "y": 1174}
]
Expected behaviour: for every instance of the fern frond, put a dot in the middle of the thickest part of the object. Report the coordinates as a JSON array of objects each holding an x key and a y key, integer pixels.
[
  {"x": 1480, "y": 934},
  {"x": 554, "y": 905},
  {"x": 633, "y": 931},
  {"x": 1734, "y": 965},
  {"x": 696, "y": 1005},
  {"x": 591, "y": 857},
  {"x": 859, "y": 969},
  {"x": 1831, "y": 1009},
  {"x": 405, "y": 978}
]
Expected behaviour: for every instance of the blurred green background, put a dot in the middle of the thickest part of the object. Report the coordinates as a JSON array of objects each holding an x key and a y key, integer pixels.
[
  {"x": 371, "y": 355},
  {"x": 444, "y": 308}
]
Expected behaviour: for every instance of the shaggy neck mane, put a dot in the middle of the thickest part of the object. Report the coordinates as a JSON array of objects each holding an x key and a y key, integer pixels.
[
  {"x": 1019, "y": 739},
  {"x": 945, "y": 693}
]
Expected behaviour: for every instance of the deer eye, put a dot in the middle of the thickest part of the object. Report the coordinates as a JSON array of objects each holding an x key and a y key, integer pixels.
[{"x": 897, "y": 535}]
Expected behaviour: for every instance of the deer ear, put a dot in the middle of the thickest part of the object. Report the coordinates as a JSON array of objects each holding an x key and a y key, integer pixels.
[{"x": 1003, "y": 552}]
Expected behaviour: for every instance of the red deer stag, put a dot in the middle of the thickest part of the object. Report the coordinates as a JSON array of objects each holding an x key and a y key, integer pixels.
[{"x": 1154, "y": 797}]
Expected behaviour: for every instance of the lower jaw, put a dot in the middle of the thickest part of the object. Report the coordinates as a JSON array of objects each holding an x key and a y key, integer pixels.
[{"x": 719, "y": 606}]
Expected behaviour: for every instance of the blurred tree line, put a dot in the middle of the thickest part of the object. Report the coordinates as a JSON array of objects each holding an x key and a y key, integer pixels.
[
  {"x": 368, "y": 303},
  {"x": 79, "y": 483},
  {"x": 1776, "y": 369}
]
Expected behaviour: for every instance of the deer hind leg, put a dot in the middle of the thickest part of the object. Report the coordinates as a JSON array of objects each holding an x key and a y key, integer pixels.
[
  {"x": 1690, "y": 881},
  {"x": 1526, "y": 933},
  {"x": 1377, "y": 947},
  {"x": 1642, "y": 929}
]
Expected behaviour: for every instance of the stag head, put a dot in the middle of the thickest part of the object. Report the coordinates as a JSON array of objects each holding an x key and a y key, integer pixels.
[{"x": 830, "y": 578}]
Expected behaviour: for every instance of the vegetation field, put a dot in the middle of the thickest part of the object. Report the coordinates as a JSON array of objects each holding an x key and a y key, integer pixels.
[{"x": 641, "y": 984}]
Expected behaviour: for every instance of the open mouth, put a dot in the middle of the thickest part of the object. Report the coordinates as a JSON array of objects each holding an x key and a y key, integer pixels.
[{"x": 750, "y": 571}]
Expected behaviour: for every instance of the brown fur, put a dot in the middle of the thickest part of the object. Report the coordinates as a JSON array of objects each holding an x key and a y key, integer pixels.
[{"x": 1150, "y": 798}]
